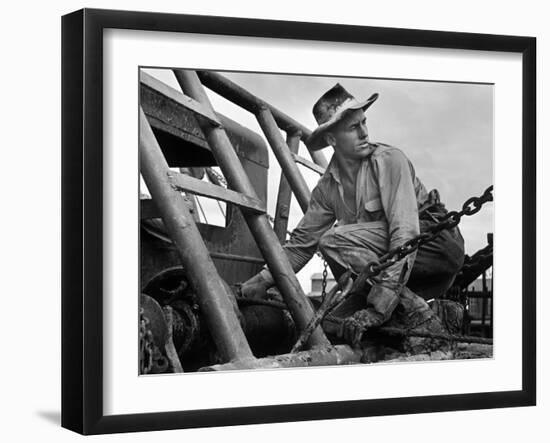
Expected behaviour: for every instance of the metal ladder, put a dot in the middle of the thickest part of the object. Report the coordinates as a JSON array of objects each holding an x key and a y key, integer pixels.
[{"x": 166, "y": 185}]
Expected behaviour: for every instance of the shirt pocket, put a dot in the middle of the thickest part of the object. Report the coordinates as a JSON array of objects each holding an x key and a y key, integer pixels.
[
  {"x": 373, "y": 205},
  {"x": 373, "y": 210}
]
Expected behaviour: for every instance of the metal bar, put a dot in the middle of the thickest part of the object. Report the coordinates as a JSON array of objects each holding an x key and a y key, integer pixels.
[
  {"x": 284, "y": 156},
  {"x": 325, "y": 356},
  {"x": 259, "y": 226},
  {"x": 187, "y": 102},
  {"x": 491, "y": 300},
  {"x": 484, "y": 300},
  {"x": 235, "y": 257},
  {"x": 241, "y": 97},
  {"x": 282, "y": 210},
  {"x": 316, "y": 168},
  {"x": 214, "y": 300},
  {"x": 195, "y": 186}
]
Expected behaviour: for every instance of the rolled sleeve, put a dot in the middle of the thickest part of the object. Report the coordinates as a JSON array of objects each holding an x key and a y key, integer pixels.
[{"x": 304, "y": 240}]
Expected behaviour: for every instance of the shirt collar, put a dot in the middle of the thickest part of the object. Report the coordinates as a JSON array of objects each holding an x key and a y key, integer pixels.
[{"x": 334, "y": 171}]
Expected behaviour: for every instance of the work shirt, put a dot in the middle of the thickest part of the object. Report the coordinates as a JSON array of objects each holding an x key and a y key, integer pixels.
[{"x": 387, "y": 195}]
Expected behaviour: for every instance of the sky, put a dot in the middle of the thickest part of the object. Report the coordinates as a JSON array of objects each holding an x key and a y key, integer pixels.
[{"x": 446, "y": 130}]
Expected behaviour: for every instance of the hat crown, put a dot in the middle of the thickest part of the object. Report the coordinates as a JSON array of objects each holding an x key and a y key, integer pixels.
[{"x": 331, "y": 103}]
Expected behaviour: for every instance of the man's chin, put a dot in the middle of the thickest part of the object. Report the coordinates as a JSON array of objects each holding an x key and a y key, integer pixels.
[{"x": 363, "y": 148}]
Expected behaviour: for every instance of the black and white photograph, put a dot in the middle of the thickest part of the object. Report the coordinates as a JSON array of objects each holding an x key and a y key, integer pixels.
[{"x": 294, "y": 221}]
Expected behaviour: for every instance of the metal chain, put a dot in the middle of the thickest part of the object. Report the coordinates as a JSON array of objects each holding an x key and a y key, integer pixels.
[
  {"x": 470, "y": 207},
  {"x": 324, "y": 283},
  {"x": 346, "y": 286},
  {"x": 146, "y": 344}
]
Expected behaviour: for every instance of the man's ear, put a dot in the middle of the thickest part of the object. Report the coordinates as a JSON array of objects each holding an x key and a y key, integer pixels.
[{"x": 330, "y": 139}]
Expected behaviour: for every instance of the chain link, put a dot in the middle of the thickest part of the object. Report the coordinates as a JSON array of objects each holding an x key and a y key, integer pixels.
[
  {"x": 346, "y": 286},
  {"x": 146, "y": 344},
  {"x": 470, "y": 207},
  {"x": 324, "y": 283}
]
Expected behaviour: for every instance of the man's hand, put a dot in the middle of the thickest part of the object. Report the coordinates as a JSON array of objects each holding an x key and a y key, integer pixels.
[
  {"x": 354, "y": 326},
  {"x": 256, "y": 287}
]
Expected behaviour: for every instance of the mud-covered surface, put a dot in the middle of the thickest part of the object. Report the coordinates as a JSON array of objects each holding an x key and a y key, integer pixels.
[{"x": 458, "y": 351}]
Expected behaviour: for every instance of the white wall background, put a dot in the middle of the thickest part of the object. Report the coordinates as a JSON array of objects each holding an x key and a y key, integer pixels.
[{"x": 30, "y": 226}]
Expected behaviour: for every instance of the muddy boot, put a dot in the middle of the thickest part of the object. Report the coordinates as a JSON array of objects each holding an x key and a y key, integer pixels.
[
  {"x": 413, "y": 312},
  {"x": 451, "y": 314}
]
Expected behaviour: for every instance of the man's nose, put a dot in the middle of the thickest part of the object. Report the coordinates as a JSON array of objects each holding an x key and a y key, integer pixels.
[{"x": 363, "y": 131}]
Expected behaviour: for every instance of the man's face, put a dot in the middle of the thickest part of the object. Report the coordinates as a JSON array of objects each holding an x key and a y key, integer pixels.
[{"x": 350, "y": 136}]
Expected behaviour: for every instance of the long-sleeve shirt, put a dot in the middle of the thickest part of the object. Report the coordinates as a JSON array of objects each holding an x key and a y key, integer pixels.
[{"x": 387, "y": 193}]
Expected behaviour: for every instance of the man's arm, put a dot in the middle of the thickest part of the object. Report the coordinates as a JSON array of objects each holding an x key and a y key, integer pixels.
[
  {"x": 303, "y": 241},
  {"x": 398, "y": 197}
]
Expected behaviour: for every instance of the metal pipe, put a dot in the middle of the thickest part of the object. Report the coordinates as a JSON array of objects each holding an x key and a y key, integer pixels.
[
  {"x": 325, "y": 356},
  {"x": 235, "y": 257},
  {"x": 259, "y": 226},
  {"x": 484, "y": 299},
  {"x": 284, "y": 156},
  {"x": 241, "y": 97},
  {"x": 282, "y": 210},
  {"x": 214, "y": 300}
]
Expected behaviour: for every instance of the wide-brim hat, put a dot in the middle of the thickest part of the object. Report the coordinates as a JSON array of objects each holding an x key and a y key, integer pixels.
[{"x": 330, "y": 109}]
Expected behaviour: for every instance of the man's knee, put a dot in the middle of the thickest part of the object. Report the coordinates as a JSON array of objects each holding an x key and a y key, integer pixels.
[{"x": 326, "y": 242}]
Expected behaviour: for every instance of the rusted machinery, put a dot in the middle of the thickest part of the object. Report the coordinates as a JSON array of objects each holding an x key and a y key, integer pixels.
[{"x": 190, "y": 318}]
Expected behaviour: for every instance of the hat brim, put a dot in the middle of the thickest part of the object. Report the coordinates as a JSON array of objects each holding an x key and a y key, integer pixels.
[{"x": 316, "y": 140}]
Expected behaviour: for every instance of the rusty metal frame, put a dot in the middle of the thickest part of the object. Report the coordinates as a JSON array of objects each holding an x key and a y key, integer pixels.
[
  {"x": 199, "y": 187},
  {"x": 245, "y": 99},
  {"x": 284, "y": 194},
  {"x": 82, "y": 218},
  {"x": 271, "y": 119},
  {"x": 215, "y": 299},
  {"x": 266, "y": 239}
]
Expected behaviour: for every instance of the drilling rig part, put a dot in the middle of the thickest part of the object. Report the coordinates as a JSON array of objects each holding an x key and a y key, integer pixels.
[
  {"x": 214, "y": 301},
  {"x": 267, "y": 241}
]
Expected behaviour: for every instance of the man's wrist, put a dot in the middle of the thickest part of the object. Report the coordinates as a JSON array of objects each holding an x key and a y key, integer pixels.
[{"x": 267, "y": 277}]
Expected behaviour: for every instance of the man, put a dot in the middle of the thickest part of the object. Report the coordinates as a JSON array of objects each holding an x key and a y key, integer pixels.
[{"x": 372, "y": 193}]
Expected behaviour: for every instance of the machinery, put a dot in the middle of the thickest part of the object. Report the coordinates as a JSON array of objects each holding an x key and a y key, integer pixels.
[{"x": 191, "y": 317}]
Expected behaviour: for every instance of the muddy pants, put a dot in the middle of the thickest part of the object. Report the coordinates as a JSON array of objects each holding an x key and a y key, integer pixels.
[
  {"x": 435, "y": 267},
  {"x": 433, "y": 272}
]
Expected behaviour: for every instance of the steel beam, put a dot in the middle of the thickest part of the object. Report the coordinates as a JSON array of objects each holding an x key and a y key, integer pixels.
[
  {"x": 322, "y": 356},
  {"x": 215, "y": 300},
  {"x": 308, "y": 164},
  {"x": 241, "y": 97},
  {"x": 282, "y": 210},
  {"x": 187, "y": 102},
  {"x": 195, "y": 186},
  {"x": 284, "y": 156},
  {"x": 267, "y": 241}
]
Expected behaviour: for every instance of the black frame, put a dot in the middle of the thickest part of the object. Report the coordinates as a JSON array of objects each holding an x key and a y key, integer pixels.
[{"x": 82, "y": 218}]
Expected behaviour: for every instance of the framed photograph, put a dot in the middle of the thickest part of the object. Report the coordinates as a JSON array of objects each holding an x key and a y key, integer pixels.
[{"x": 270, "y": 221}]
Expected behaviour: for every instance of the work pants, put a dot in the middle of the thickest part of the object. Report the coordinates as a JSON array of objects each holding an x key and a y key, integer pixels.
[{"x": 434, "y": 268}]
